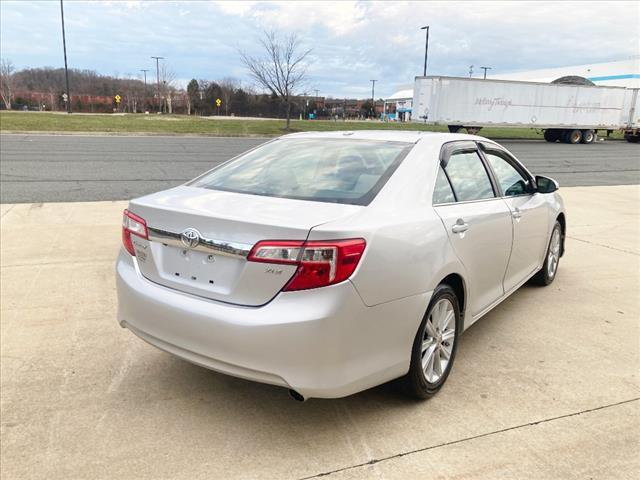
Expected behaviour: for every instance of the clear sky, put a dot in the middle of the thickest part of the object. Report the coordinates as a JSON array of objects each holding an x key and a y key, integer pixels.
[{"x": 352, "y": 42}]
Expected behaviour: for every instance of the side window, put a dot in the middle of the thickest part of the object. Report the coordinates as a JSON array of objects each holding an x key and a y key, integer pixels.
[
  {"x": 468, "y": 176},
  {"x": 442, "y": 193},
  {"x": 511, "y": 181}
]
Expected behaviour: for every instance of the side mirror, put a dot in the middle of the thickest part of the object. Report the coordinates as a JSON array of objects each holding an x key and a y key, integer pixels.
[{"x": 546, "y": 184}]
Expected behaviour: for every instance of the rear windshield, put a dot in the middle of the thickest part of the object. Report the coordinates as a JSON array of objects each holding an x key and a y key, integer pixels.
[{"x": 325, "y": 170}]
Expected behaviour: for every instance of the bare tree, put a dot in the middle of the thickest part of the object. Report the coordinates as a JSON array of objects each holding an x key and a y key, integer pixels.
[
  {"x": 228, "y": 86},
  {"x": 281, "y": 69},
  {"x": 6, "y": 82},
  {"x": 167, "y": 86}
]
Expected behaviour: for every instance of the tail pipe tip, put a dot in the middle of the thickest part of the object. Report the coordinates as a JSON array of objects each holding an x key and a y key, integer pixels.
[{"x": 296, "y": 396}]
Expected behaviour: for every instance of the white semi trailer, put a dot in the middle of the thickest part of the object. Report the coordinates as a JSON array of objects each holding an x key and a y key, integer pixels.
[{"x": 567, "y": 113}]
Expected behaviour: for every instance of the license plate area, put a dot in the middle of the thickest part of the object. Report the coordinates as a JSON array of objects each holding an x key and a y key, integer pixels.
[{"x": 201, "y": 270}]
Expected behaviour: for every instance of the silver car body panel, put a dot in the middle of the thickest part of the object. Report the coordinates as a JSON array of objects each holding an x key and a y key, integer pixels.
[{"x": 336, "y": 340}]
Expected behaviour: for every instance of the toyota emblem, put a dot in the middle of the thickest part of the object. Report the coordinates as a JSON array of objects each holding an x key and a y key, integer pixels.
[{"x": 190, "y": 237}]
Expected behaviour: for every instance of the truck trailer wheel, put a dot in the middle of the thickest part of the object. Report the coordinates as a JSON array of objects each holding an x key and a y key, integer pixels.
[
  {"x": 552, "y": 135},
  {"x": 572, "y": 136},
  {"x": 588, "y": 136},
  {"x": 632, "y": 138}
]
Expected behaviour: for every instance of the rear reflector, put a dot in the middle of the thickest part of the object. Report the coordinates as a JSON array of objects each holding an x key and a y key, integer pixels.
[
  {"x": 320, "y": 263},
  {"x": 132, "y": 224}
]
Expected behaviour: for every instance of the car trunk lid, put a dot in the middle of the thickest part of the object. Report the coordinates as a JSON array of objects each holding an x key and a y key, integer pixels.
[{"x": 199, "y": 240}]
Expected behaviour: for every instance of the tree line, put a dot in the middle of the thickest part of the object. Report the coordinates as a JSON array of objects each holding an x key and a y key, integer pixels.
[{"x": 281, "y": 71}]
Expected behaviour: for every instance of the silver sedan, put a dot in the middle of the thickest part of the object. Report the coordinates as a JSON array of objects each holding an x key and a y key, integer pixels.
[{"x": 328, "y": 263}]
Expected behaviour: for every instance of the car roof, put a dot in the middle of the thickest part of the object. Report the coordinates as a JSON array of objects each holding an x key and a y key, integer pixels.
[{"x": 409, "y": 136}]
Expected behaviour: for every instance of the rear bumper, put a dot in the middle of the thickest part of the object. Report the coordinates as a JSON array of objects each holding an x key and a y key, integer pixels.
[{"x": 321, "y": 343}]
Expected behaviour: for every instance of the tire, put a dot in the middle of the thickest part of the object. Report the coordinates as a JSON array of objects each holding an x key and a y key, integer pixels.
[
  {"x": 552, "y": 135},
  {"x": 547, "y": 274},
  {"x": 588, "y": 136},
  {"x": 574, "y": 136},
  {"x": 632, "y": 138},
  {"x": 417, "y": 383},
  {"x": 564, "y": 136}
]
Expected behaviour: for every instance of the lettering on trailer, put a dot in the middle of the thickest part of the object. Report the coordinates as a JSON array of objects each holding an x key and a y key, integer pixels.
[
  {"x": 572, "y": 104},
  {"x": 493, "y": 102}
]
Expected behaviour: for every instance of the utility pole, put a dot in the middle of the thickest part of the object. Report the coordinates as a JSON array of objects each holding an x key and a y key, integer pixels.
[
  {"x": 144, "y": 100},
  {"x": 66, "y": 70},
  {"x": 158, "y": 79},
  {"x": 470, "y": 71},
  {"x": 485, "y": 71},
  {"x": 145, "y": 79},
  {"x": 373, "y": 96},
  {"x": 426, "y": 49}
]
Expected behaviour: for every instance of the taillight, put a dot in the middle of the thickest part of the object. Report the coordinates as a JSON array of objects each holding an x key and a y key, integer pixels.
[
  {"x": 320, "y": 263},
  {"x": 132, "y": 224}
]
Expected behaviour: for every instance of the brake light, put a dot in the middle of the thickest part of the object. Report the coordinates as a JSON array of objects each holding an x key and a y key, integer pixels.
[
  {"x": 132, "y": 224},
  {"x": 320, "y": 263}
]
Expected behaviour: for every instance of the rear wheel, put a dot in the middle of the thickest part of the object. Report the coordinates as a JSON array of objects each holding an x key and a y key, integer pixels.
[
  {"x": 588, "y": 136},
  {"x": 434, "y": 347},
  {"x": 547, "y": 273},
  {"x": 574, "y": 136}
]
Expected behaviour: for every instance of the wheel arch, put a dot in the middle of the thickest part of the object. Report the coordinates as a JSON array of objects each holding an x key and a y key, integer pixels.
[
  {"x": 456, "y": 281},
  {"x": 563, "y": 225}
]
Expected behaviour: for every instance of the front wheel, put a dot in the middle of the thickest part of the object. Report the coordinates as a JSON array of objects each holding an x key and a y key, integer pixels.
[
  {"x": 434, "y": 347},
  {"x": 547, "y": 273}
]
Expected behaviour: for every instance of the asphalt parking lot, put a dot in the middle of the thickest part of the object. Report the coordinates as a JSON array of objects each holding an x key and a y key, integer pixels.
[
  {"x": 73, "y": 168},
  {"x": 546, "y": 386}
]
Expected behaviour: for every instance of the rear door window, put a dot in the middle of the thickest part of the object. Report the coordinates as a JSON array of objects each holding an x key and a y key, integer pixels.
[
  {"x": 468, "y": 176},
  {"x": 442, "y": 192},
  {"x": 320, "y": 169}
]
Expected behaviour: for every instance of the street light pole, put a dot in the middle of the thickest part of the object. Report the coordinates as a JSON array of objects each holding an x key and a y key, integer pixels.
[
  {"x": 66, "y": 70},
  {"x": 485, "y": 71},
  {"x": 158, "y": 78},
  {"x": 373, "y": 96},
  {"x": 426, "y": 49}
]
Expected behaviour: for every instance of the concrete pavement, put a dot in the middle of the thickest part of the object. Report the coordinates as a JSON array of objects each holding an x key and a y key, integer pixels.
[
  {"x": 69, "y": 168},
  {"x": 545, "y": 386}
]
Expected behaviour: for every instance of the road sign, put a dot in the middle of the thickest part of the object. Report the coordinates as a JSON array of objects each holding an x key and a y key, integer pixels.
[
  {"x": 218, "y": 102},
  {"x": 64, "y": 97},
  {"x": 117, "y": 98}
]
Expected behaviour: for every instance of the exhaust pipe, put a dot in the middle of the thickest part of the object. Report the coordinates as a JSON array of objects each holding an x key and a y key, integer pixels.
[{"x": 296, "y": 396}]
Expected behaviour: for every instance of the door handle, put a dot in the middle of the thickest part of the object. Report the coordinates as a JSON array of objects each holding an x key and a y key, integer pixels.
[
  {"x": 460, "y": 226},
  {"x": 516, "y": 213}
]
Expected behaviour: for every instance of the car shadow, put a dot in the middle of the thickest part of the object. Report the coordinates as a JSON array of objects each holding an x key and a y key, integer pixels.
[{"x": 207, "y": 391}]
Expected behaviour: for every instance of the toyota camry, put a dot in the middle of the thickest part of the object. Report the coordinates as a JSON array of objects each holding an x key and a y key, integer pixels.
[{"x": 328, "y": 263}]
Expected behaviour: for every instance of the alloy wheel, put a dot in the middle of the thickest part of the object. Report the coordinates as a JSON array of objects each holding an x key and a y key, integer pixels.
[
  {"x": 438, "y": 339},
  {"x": 554, "y": 254}
]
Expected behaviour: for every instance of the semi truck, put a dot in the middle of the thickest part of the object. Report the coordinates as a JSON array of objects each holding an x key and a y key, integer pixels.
[{"x": 564, "y": 112}]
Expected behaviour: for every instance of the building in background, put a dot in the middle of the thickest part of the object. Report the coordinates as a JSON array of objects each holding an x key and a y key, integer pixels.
[{"x": 397, "y": 107}]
